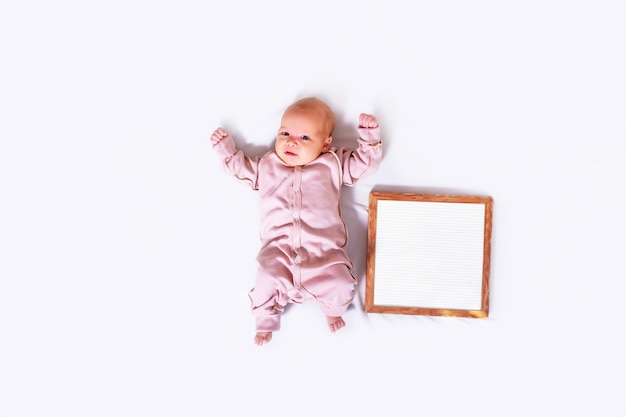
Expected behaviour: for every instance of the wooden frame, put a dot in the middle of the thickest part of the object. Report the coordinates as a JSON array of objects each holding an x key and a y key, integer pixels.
[{"x": 428, "y": 254}]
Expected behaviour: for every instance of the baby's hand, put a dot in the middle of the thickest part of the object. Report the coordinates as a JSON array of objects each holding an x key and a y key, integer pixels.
[
  {"x": 367, "y": 120},
  {"x": 218, "y": 135}
]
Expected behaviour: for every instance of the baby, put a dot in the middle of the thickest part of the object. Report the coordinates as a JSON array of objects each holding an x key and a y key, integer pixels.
[{"x": 303, "y": 237}]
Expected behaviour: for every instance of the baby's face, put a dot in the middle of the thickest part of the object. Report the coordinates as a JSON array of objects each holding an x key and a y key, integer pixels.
[{"x": 301, "y": 137}]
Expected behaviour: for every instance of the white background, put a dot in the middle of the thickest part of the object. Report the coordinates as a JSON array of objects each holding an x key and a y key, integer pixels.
[{"x": 126, "y": 253}]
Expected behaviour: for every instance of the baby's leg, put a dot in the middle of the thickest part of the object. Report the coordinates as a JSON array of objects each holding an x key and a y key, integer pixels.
[
  {"x": 333, "y": 288},
  {"x": 267, "y": 317},
  {"x": 267, "y": 301}
]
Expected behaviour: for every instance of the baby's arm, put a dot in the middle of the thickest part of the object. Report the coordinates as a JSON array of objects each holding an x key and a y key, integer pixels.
[
  {"x": 242, "y": 167},
  {"x": 366, "y": 159}
]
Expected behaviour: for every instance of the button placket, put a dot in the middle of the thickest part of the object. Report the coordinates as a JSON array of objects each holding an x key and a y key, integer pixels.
[{"x": 297, "y": 227}]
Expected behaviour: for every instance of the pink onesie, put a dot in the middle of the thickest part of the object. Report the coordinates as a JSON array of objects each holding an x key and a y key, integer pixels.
[{"x": 303, "y": 237}]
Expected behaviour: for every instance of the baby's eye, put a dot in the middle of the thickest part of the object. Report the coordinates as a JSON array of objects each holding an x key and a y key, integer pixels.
[
  {"x": 304, "y": 137},
  {"x": 284, "y": 133}
]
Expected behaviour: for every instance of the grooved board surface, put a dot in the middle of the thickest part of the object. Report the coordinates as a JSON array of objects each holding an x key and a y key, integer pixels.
[{"x": 429, "y": 254}]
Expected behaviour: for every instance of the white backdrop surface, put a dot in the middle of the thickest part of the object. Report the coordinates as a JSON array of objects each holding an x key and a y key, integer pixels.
[{"x": 126, "y": 253}]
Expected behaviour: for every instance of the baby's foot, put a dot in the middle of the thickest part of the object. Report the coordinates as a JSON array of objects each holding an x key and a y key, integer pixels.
[
  {"x": 262, "y": 338},
  {"x": 335, "y": 323}
]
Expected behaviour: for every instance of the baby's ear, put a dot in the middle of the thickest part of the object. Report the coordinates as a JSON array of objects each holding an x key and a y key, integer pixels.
[{"x": 327, "y": 143}]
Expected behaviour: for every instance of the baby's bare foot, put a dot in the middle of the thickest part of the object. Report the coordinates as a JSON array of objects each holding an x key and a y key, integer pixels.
[
  {"x": 262, "y": 338},
  {"x": 335, "y": 323}
]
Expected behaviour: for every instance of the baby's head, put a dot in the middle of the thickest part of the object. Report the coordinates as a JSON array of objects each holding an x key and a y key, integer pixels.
[{"x": 305, "y": 132}]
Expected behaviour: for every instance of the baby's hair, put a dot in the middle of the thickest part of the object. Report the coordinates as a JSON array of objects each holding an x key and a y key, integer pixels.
[{"x": 313, "y": 103}]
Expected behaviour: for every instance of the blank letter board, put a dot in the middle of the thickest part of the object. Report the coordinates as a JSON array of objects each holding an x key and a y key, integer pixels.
[{"x": 428, "y": 254}]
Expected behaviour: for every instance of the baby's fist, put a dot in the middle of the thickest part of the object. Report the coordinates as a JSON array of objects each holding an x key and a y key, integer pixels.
[
  {"x": 368, "y": 121},
  {"x": 218, "y": 135}
]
